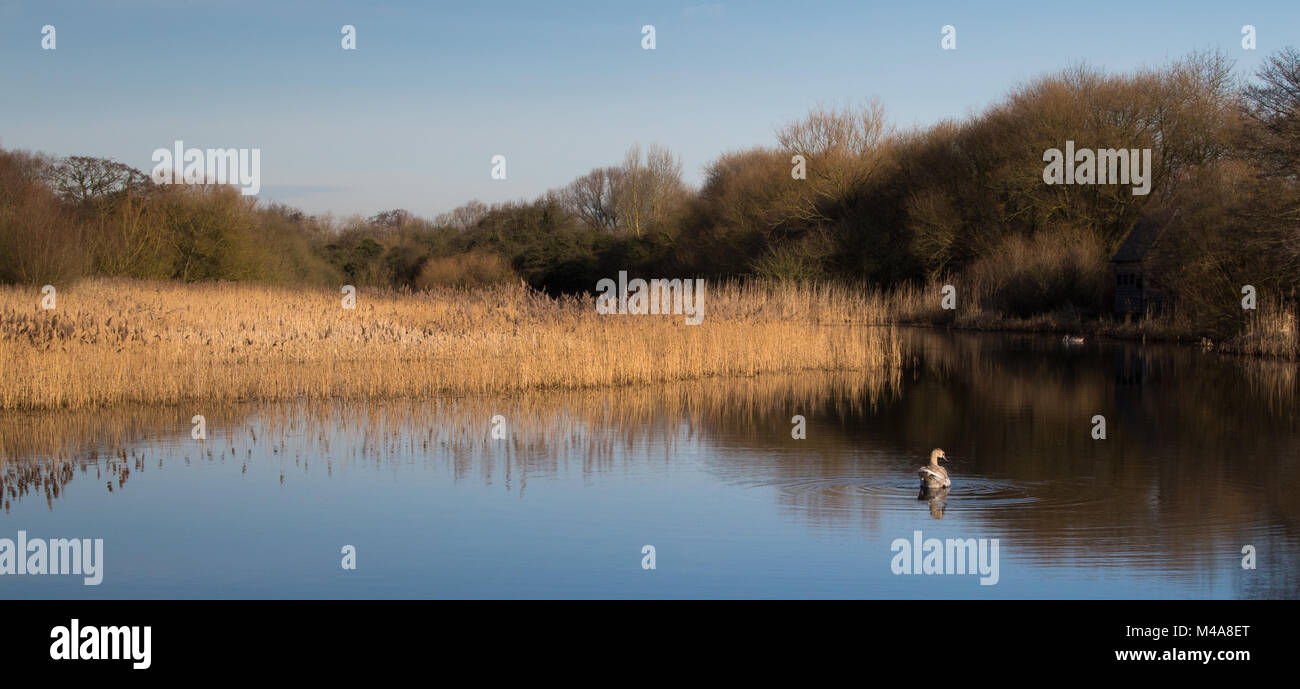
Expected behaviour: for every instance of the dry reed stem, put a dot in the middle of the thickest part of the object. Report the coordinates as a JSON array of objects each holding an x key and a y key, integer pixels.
[{"x": 111, "y": 342}]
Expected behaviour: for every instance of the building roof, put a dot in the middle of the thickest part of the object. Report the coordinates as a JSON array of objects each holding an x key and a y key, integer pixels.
[{"x": 1139, "y": 241}]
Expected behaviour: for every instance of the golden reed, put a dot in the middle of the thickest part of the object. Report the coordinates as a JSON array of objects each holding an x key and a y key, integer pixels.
[{"x": 111, "y": 342}]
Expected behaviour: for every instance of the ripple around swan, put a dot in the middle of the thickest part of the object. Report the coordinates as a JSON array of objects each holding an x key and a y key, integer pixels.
[{"x": 901, "y": 493}]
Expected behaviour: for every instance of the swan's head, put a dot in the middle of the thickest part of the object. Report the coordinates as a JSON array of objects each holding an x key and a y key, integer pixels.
[{"x": 936, "y": 454}]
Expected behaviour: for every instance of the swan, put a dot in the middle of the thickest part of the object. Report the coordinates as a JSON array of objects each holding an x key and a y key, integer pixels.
[{"x": 933, "y": 476}]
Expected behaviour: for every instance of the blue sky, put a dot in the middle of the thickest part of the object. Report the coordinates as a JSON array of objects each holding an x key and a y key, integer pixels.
[{"x": 413, "y": 116}]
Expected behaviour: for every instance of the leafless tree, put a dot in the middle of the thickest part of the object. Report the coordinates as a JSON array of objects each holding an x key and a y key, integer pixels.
[
  {"x": 463, "y": 217},
  {"x": 591, "y": 198},
  {"x": 842, "y": 147},
  {"x": 81, "y": 178},
  {"x": 1273, "y": 103},
  {"x": 634, "y": 197}
]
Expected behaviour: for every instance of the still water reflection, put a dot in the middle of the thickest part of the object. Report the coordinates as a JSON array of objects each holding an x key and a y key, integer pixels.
[{"x": 1200, "y": 460}]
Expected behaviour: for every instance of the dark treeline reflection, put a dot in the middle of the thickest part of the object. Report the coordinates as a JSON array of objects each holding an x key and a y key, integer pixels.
[
  {"x": 1199, "y": 459},
  {"x": 1200, "y": 455}
]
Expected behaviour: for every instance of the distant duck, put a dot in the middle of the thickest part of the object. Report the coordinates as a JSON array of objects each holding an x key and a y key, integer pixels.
[
  {"x": 1072, "y": 340},
  {"x": 934, "y": 477}
]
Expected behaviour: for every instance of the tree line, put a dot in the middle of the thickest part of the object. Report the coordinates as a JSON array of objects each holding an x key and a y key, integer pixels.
[{"x": 961, "y": 201}]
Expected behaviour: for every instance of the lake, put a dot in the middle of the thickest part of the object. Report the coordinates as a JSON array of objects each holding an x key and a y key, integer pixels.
[{"x": 1199, "y": 462}]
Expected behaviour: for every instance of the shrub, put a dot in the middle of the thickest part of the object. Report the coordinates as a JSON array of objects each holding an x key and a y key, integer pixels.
[
  {"x": 474, "y": 269},
  {"x": 39, "y": 241}
]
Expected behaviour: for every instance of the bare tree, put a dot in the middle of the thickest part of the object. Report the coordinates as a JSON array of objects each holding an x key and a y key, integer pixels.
[
  {"x": 842, "y": 149},
  {"x": 591, "y": 198},
  {"x": 1273, "y": 103},
  {"x": 463, "y": 217},
  {"x": 856, "y": 130},
  {"x": 665, "y": 182},
  {"x": 81, "y": 179},
  {"x": 631, "y": 191},
  {"x": 634, "y": 197},
  {"x": 395, "y": 218}
]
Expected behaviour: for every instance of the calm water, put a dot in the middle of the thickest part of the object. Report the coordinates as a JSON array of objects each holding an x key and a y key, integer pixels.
[{"x": 1200, "y": 460}]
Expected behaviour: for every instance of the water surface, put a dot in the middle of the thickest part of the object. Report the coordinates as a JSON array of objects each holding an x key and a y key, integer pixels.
[{"x": 1200, "y": 460}]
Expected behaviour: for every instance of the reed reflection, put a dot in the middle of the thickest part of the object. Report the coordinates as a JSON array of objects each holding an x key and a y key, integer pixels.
[{"x": 1200, "y": 457}]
